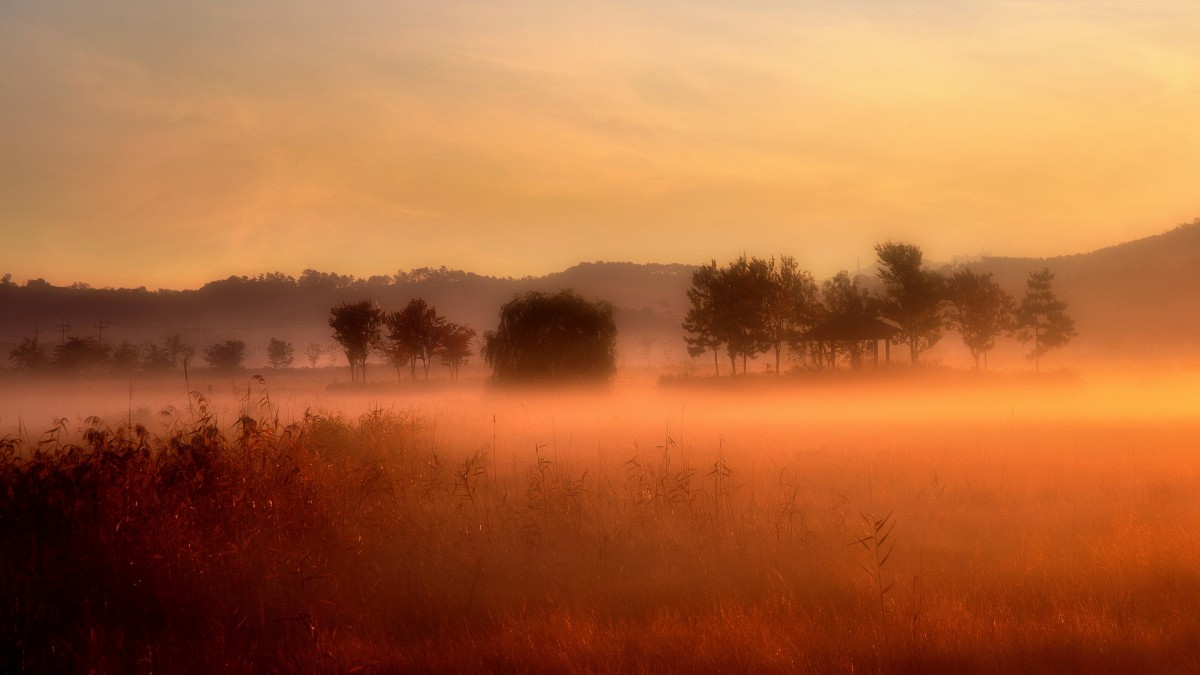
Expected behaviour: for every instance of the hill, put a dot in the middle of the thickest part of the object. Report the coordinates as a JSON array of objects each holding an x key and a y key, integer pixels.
[
  {"x": 1139, "y": 299},
  {"x": 649, "y": 300}
]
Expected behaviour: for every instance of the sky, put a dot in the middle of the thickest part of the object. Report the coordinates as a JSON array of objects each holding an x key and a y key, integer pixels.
[{"x": 167, "y": 144}]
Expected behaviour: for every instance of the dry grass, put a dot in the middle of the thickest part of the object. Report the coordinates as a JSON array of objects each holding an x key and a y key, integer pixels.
[{"x": 513, "y": 536}]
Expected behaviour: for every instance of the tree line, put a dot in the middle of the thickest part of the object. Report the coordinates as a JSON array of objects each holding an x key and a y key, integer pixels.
[
  {"x": 414, "y": 334},
  {"x": 753, "y": 306},
  {"x": 541, "y": 338},
  {"x": 89, "y": 354}
]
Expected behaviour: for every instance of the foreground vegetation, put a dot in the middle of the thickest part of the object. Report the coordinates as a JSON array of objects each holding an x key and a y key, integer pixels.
[{"x": 383, "y": 542}]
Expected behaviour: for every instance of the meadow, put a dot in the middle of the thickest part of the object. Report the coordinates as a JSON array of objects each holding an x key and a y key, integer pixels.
[{"x": 944, "y": 522}]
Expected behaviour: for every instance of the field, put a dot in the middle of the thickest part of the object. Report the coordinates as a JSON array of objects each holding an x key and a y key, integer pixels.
[{"x": 945, "y": 522}]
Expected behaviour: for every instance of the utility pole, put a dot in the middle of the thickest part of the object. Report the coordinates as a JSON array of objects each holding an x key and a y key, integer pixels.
[
  {"x": 99, "y": 326},
  {"x": 64, "y": 327}
]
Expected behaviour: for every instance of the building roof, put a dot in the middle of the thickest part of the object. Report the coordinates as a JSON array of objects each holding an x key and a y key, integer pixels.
[{"x": 854, "y": 327}]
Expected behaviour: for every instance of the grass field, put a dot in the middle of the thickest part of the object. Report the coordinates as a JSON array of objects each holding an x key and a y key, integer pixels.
[{"x": 905, "y": 525}]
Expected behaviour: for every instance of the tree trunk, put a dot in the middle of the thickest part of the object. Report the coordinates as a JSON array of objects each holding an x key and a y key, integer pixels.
[
  {"x": 1037, "y": 351},
  {"x": 717, "y": 362}
]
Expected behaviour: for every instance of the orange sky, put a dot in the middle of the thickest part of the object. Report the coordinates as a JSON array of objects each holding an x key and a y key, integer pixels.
[{"x": 168, "y": 144}]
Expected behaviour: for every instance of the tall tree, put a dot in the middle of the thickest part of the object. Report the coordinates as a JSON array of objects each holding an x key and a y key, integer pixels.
[
  {"x": 980, "y": 311},
  {"x": 553, "y": 338},
  {"x": 280, "y": 353},
  {"x": 729, "y": 309},
  {"x": 791, "y": 305},
  {"x": 356, "y": 327},
  {"x": 1042, "y": 317},
  {"x": 746, "y": 326},
  {"x": 914, "y": 296},
  {"x": 416, "y": 330},
  {"x": 700, "y": 322}
]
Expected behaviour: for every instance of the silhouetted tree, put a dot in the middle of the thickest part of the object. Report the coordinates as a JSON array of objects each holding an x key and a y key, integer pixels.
[
  {"x": 746, "y": 326},
  {"x": 356, "y": 327},
  {"x": 729, "y": 308},
  {"x": 454, "y": 347},
  {"x": 914, "y": 296},
  {"x": 227, "y": 355},
  {"x": 791, "y": 304},
  {"x": 279, "y": 353},
  {"x": 181, "y": 353},
  {"x": 545, "y": 338},
  {"x": 700, "y": 322},
  {"x": 980, "y": 311},
  {"x": 415, "y": 331},
  {"x": 126, "y": 357},
  {"x": 397, "y": 355},
  {"x": 1042, "y": 317},
  {"x": 29, "y": 356},
  {"x": 157, "y": 358},
  {"x": 313, "y": 354},
  {"x": 80, "y": 353}
]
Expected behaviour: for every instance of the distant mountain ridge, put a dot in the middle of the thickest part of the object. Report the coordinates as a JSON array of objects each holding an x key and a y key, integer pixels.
[{"x": 1140, "y": 295}]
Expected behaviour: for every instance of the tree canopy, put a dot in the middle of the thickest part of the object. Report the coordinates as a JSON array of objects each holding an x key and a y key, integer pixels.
[
  {"x": 356, "y": 327},
  {"x": 553, "y": 338},
  {"x": 980, "y": 311},
  {"x": 227, "y": 355},
  {"x": 280, "y": 354},
  {"x": 913, "y": 296},
  {"x": 1042, "y": 318}
]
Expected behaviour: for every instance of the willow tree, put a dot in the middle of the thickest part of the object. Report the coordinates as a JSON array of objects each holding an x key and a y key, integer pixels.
[{"x": 558, "y": 338}]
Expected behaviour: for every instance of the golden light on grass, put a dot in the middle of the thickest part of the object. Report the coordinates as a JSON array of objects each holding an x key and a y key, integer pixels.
[{"x": 674, "y": 531}]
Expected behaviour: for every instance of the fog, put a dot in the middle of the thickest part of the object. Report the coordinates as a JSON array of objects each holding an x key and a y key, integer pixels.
[{"x": 744, "y": 412}]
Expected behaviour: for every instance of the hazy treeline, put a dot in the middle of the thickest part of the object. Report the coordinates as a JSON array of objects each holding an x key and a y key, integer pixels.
[
  {"x": 1133, "y": 300},
  {"x": 648, "y": 301},
  {"x": 755, "y": 305},
  {"x": 415, "y": 333}
]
